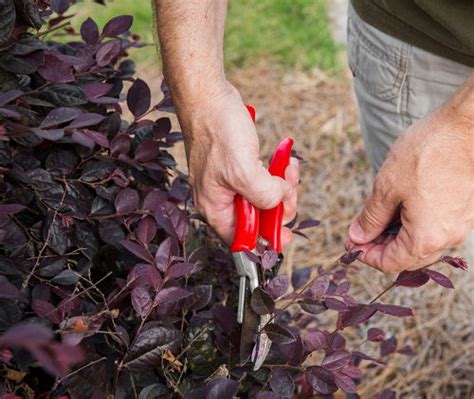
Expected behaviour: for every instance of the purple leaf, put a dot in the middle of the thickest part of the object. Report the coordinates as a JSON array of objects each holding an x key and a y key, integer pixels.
[
  {"x": 355, "y": 315},
  {"x": 7, "y": 289},
  {"x": 59, "y": 116},
  {"x": 278, "y": 286},
  {"x": 375, "y": 335},
  {"x": 394, "y": 310},
  {"x": 343, "y": 288},
  {"x": 225, "y": 318},
  {"x": 180, "y": 269},
  {"x": 345, "y": 382},
  {"x": 364, "y": 356},
  {"x": 457, "y": 262},
  {"x": 321, "y": 380},
  {"x": 138, "y": 98},
  {"x": 154, "y": 200},
  {"x": 386, "y": 394},
  {"x": 147, "y": 151},
  {"x": 97, "y": 137},
  {"x": 127, "y": 201},
  {"x": 146, "y": 230},
  {"x": 335, "y": 304},
  {"x": 412, "y": 279},
  {"x": 252, "y": 257},
  {"x": 281, "y": 382},
  {"x": 94, "y": 90},
  {"x": 86, "y": 120},
  {"x": 51, "y": 134},
  {"x": 10, "y": 209},
  {"x": 166, "y": 250},
  {"x": 279, "y": 334},
  {"x": 144, "y": 273},
  {"x": 352, "y": 371},
  {"x": 141, "y": 300},
  {"x": 121, "y": 144},
  {"x": 388, "y": 346},
  {"x": 407, "y": 351},
  {"x": 313, "y": 306},
  {"x": 307, "y": 224},
  {"x": 171, "y": 295},
  {"x": 90, "y": 31},
  {"x": 350, "y": 257},
  {"x": 269, "y": 259},
  {"x": 315, "y": 341},
  {"x": 319, "y": 286},
  {"x": 202, "y": 295},
  {"x": 60, "y": 6},
  {"x": 9, "y": 96},
  {"x": 299, "y": 277},
  {"x": 108, "y": 52},
  {"x": 336, "y": 360},
  {"x": 173, "y": 220},
  {"x": 265, "y": 395},
  {"x": 439, "y": 278},
  {"x": 46, "y": 310},
  {"x": 55, "y": 70},
  {"x": 337, "y": 342},
  {"x": 261, "y": 302},
  {"x": 83, "y": 139},
  {"x": 117, "y": 26},
  {"x": 221, "y": 388},
  {"x": 137, "y": 250}
]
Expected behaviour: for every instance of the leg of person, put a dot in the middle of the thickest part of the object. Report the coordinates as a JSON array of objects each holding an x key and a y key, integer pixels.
[{"x": 395, "y": 85}]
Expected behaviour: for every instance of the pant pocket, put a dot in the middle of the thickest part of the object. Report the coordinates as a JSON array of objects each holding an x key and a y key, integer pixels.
[{"x": 377, "y": 60}]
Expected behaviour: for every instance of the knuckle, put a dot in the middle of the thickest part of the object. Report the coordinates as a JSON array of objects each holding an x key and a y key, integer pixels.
[
  {"x": 427, "y": 244},
  {"x": 381, "y": 186}
]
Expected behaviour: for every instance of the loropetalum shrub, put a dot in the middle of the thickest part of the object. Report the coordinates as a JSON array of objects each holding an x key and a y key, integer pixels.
[{"x": 110, "y": 284}]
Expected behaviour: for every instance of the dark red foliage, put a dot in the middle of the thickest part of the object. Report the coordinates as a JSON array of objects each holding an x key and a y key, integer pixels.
[{"x": 109, "y": 283}]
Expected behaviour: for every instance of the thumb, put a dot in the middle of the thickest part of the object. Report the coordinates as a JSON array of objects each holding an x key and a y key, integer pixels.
[
  {"x": 375, "y": 217},
  {"x": 266, "y": 191}
]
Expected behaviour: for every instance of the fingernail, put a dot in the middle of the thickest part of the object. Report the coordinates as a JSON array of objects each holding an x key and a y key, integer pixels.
[{"x": 356, "y": 233}]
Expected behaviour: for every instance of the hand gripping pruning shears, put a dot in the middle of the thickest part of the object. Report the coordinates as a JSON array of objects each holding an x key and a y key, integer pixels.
[{"x": 253, "y": 225}]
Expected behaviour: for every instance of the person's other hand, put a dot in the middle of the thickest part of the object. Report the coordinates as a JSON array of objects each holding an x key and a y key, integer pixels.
[
  {"x": 223, "y": 157},
  {"x": 427, "y": 181}
]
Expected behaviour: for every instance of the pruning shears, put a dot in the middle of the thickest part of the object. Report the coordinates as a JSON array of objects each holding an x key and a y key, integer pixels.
[{"x": 252, "y": 226}]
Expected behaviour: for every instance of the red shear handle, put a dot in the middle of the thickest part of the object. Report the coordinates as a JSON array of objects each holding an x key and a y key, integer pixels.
[
  {"x": 246, "y": 217},
  {"x": 271, "y": 220}
]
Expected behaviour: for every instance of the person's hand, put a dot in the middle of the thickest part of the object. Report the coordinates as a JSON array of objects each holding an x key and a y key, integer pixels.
[
  {"x": 223, "y": 157},
  {"x": 427, "y": 181}
]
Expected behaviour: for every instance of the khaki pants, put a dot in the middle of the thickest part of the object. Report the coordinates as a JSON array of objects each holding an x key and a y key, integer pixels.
[{"x": 396, "y": 84}]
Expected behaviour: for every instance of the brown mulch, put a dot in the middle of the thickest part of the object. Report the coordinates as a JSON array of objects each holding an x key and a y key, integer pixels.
[{"x": 320, "y": 113}]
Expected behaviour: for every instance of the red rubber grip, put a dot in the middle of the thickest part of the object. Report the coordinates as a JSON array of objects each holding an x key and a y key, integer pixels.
[
  {"x": 246, "y": 217},
  {"x": 271, "y": 220}
]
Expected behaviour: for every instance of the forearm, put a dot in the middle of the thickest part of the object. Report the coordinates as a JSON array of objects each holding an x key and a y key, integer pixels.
[{"x": 191, "y": 35}]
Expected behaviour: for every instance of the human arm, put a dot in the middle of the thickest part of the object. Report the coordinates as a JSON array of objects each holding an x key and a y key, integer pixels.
[
  {"x": 427, "y": 181},
  {"x": 220, "y": 138}
]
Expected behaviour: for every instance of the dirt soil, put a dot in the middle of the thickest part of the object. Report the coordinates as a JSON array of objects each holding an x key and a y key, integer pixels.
[{"x": 320, "y": 113}]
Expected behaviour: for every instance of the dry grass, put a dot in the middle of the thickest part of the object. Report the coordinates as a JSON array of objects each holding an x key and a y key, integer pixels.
[{"x": 335, "y": 177}]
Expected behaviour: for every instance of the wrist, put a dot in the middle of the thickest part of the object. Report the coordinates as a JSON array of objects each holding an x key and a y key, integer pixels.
[{"x": 196, "y": 107}]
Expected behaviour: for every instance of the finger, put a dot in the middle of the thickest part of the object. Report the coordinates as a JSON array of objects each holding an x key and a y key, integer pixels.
[
  {"x": 286, "y": 236},
  {"x": 218, "y": 210},
  {"x": 264, "y": 190},
  {"x": 378, "y": 212},
  {"x": 401, "y": 254}
]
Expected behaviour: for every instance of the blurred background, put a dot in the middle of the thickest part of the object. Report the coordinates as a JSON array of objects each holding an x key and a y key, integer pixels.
[{"x": 287, "y": 57}]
